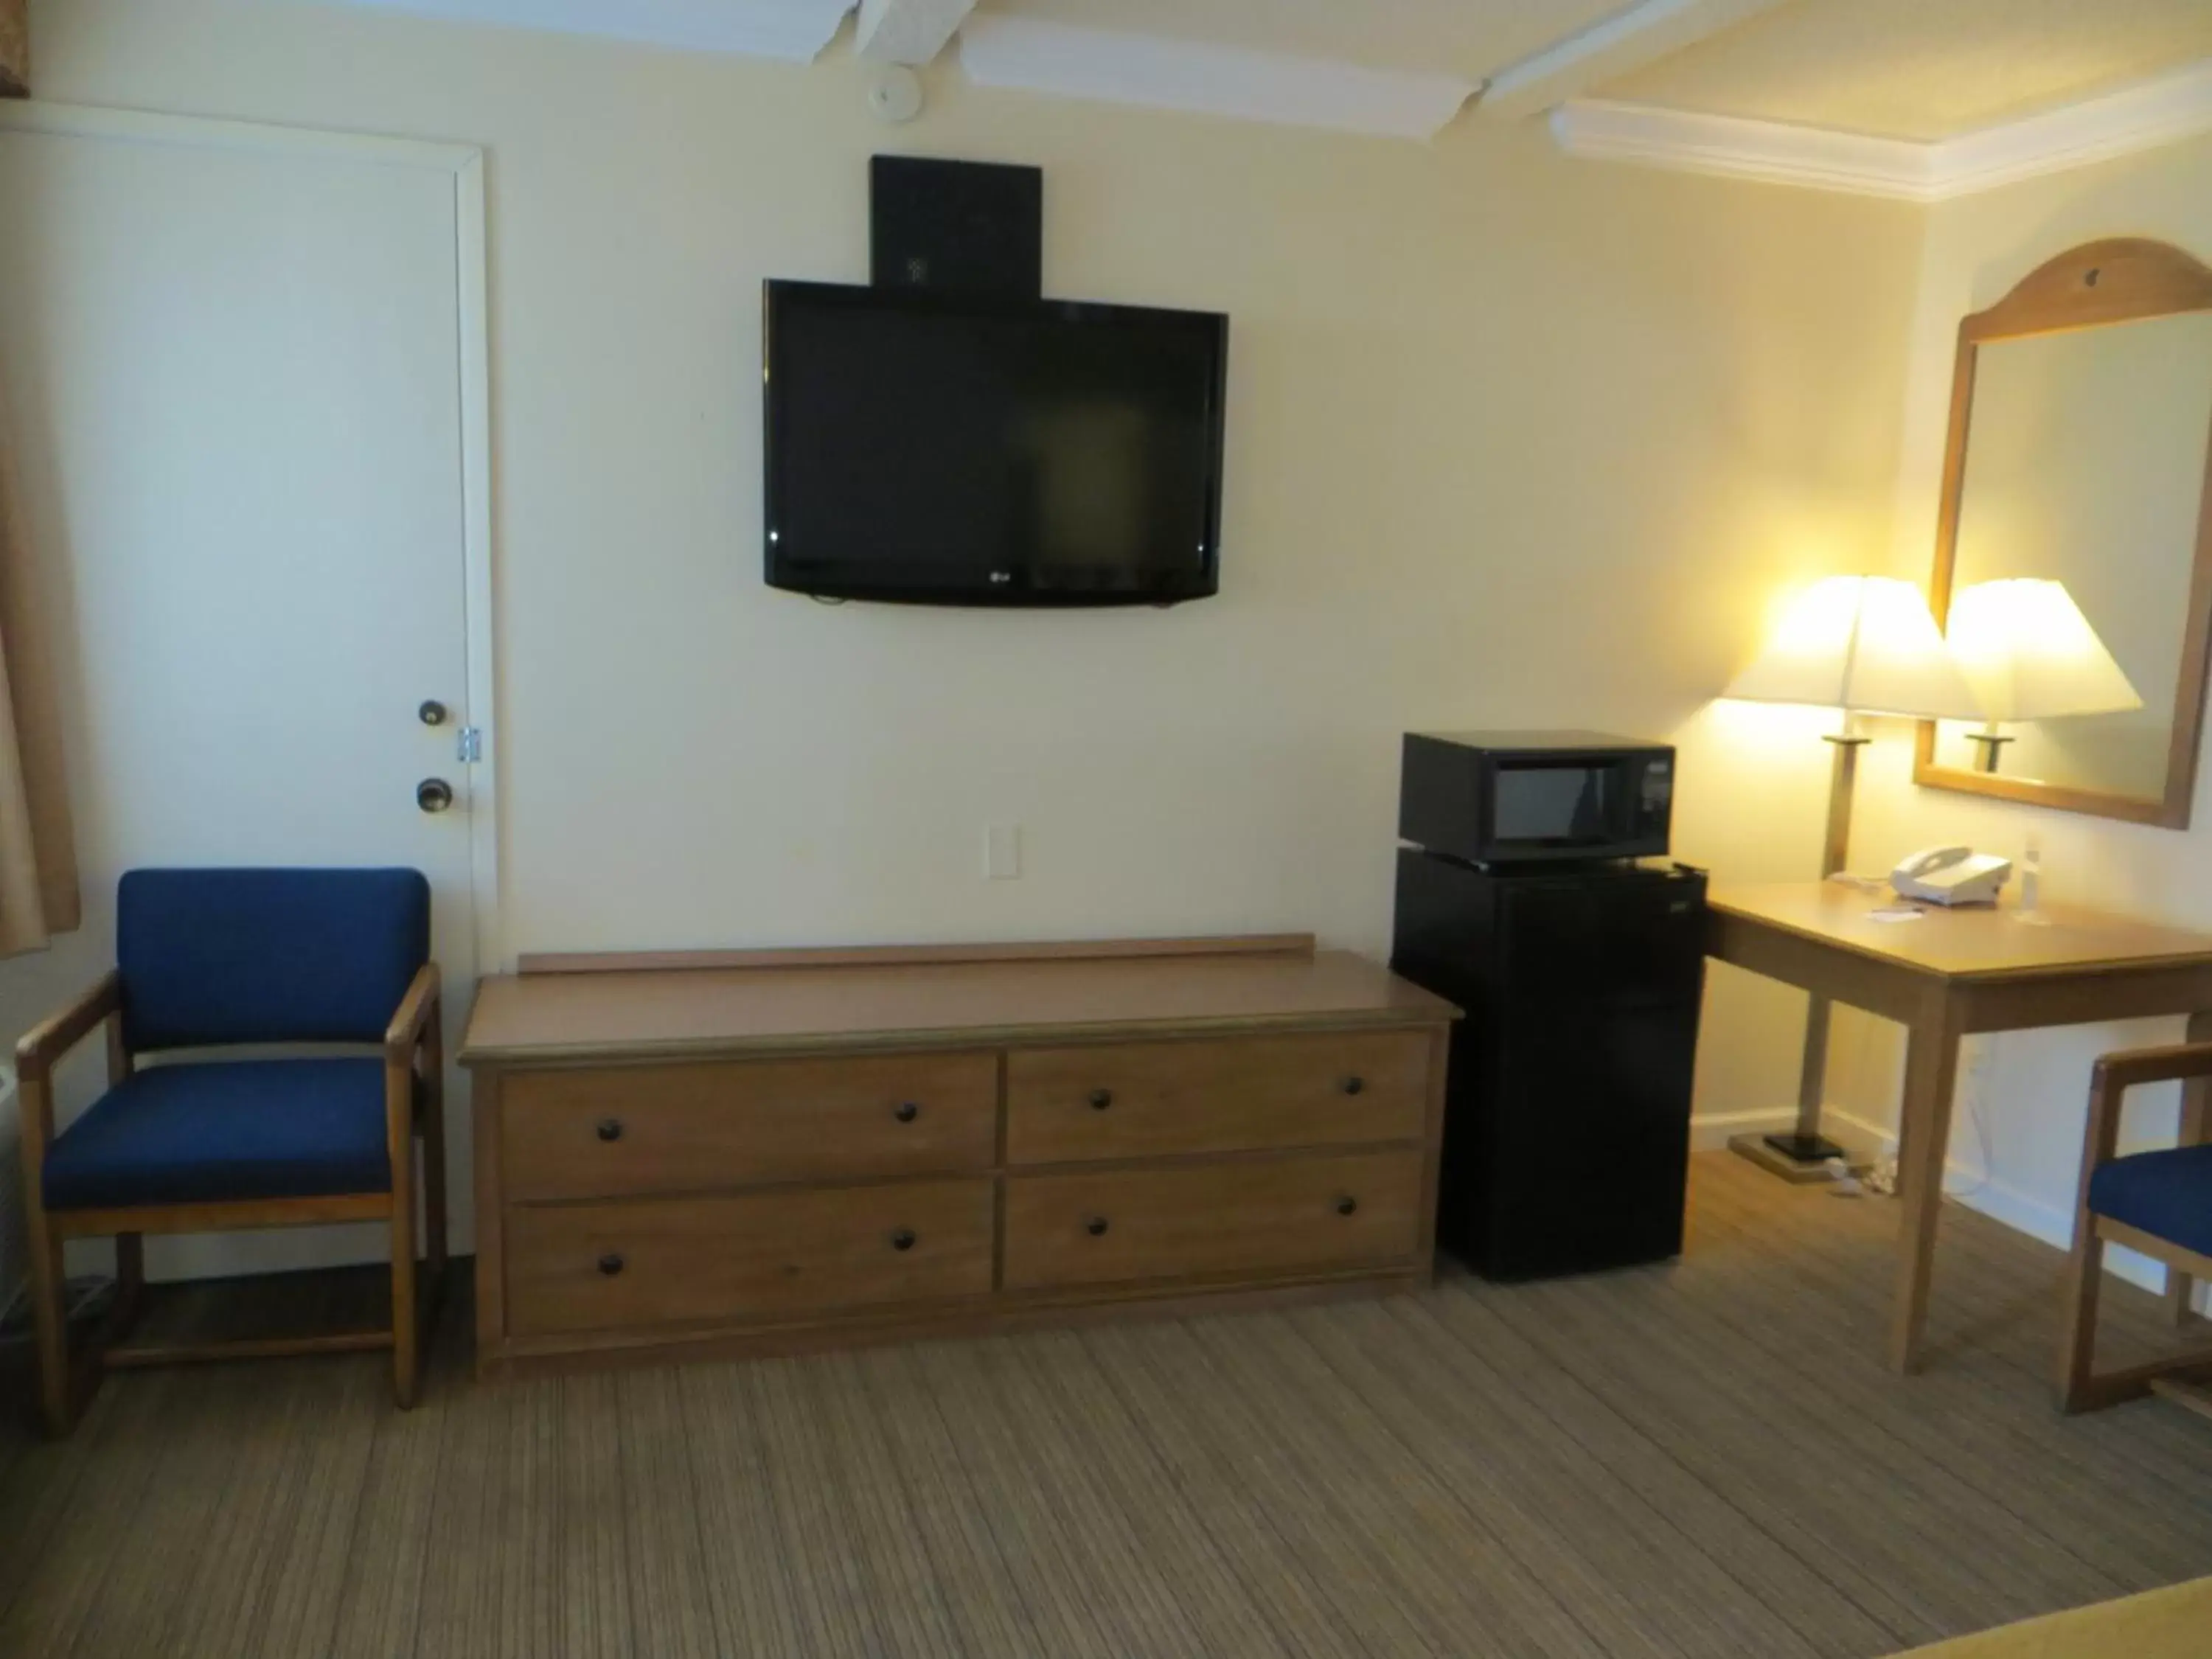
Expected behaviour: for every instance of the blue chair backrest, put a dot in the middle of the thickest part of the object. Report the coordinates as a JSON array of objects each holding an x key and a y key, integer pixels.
[{"x": 218, "y": 956}]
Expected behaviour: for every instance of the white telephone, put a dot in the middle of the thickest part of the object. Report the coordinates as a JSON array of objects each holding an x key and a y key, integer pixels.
[{"x": 1952, "y": 875}]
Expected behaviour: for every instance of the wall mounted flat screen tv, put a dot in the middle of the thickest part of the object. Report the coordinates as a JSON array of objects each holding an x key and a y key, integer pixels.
[{"x": 948, "y": 450}]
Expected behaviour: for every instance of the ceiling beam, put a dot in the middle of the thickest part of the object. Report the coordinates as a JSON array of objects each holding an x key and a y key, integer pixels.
[
  {"x": 1621, "y": 45},
  {"x": 906, "y": 31},
  {"x": 15, "y": 49},
  {"x": 1031, "y": 54}
]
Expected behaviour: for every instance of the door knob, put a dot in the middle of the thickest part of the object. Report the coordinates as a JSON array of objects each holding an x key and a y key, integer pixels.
[
  {"x": 434, "y": 794},
  {"x": 432, "y": 712}
]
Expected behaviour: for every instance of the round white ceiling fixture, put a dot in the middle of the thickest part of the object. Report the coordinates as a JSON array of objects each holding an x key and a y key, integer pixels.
[{"x": 894, "y": 95}]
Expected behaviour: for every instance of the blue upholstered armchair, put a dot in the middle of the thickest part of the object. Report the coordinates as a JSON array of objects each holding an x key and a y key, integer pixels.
[
  {"x": 218, "y": 959},
  {"x": 2157, "y": 1202}
]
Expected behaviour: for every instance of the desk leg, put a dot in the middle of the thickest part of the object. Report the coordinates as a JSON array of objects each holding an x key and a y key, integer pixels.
[
  {"x": 2195, "y": 1128},
  {"x": 1809, "y": 1144},
  {"x": 1803, "y": 1154},
  {"x": 1931, "y": 1066}
]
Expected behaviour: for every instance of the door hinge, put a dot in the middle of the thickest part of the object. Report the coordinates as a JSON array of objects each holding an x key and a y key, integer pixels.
[{"x": 468, "y": 744}]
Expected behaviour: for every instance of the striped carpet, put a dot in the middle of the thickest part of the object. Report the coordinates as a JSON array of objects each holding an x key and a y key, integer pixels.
[{"x": 1704, "y": 1459}]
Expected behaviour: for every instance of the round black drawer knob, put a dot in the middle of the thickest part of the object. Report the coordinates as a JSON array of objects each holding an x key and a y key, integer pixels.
[
  {"x": 1096, "y": 1226},
  {"x": 1347, "y": 1206},
  {"x": 1101, "y": 1099},
  {"x": 1354, "y": 1086},
  {"x": 902, "y": 1239},
  {"x": 611, "y": 1263},
  {"x": 610, "y": 1128},
  {"x": 907, "y": 1112}
]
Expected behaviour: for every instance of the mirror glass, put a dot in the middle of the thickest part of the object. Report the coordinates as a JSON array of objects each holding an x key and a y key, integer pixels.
[{"x": 2086, "y": 464}]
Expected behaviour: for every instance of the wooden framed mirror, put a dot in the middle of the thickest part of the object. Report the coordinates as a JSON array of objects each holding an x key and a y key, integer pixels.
[{"x": 2080, "y": 456}]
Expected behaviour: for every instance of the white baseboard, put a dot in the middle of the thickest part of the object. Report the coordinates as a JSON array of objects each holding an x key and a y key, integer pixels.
[{"x": 2020, "y": 1211}]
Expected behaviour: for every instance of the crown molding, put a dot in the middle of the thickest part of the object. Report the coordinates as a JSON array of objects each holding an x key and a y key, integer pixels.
[
  {"x": 2154, "y": 112},
  {"x": 792, "y": 31},
  {"x": 1733, "y": 147},
  {"x": 2162, "y": 110},
  {"x": 1026, "y": 55}
]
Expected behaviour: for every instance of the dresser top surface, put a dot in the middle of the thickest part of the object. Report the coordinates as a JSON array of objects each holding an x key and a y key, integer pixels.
[{"x": 631, "y": 1014}]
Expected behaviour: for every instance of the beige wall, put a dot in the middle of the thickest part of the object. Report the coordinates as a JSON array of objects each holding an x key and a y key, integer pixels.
[
  {"x": 2029, "y": 1088},
  {"x": 1513, "y": 439}
]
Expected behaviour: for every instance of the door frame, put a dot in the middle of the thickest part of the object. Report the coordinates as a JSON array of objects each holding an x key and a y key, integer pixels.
[{"x": 465, "y": 165}]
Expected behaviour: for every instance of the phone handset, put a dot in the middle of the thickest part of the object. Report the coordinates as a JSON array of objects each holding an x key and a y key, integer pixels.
[{"x": 1928, "y": 860}]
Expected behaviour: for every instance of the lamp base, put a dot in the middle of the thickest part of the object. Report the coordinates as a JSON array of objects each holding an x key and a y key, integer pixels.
[{"x": 1800, "y": 1159}]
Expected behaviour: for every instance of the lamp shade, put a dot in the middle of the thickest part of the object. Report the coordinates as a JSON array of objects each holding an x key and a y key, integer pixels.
[
  {"x": 2030, "y": 653},
  {"x": 1864, "y": 643}
]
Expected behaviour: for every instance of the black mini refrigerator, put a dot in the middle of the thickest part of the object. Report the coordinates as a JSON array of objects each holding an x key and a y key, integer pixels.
[{"x": 1567, "y": 1127}]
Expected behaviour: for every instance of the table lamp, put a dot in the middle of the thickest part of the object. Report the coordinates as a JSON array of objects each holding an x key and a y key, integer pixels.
[
  {"x": 1866, "y": 645},
  {"x": 2030, "y": 654}
]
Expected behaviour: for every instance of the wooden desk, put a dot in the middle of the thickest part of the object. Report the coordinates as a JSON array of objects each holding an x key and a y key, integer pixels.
[{"x": 1948, "y": 975}]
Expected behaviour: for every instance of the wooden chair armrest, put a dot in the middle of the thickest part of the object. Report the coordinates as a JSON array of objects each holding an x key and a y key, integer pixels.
[
  {"x": 405, "y": 1031},
  {"x": 2129, "y": 1067},
  {"x": 46, "y": 1042}
]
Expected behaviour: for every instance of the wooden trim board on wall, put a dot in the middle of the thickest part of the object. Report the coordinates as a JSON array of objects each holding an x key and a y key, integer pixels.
[{"x": 908, "y": 955}]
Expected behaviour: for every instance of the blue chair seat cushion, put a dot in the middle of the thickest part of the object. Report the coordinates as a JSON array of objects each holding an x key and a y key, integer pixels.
[
  {"x": 2167, "y": 1194},
  {"x": 224, "y": 1132}
]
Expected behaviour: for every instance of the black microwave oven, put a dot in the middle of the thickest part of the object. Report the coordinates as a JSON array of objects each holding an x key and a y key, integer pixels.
[{"x": 1514, "y": 797}]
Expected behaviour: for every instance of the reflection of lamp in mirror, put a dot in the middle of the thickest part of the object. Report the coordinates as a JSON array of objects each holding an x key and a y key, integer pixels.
[
  {"x": 2030, "y": 654},
  {"x": 1866, "y": 645}
]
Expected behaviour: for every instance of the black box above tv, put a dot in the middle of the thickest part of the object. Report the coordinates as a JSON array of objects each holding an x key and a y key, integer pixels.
[
  {"x": 940, "y": 448},
  {"x": 956, "y": 227}
]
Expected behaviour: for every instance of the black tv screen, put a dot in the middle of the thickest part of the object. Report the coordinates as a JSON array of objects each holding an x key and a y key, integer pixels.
[{"x": 957, "y": 450}]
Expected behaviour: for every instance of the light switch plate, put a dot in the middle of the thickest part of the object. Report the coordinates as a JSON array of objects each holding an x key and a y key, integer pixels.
[{"x": 1002, "y": 852}]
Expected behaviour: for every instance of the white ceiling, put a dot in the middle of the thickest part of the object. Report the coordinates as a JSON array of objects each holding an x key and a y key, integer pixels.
[
  {"x": 1470, "y": 39},
  {"x": 1922, "y": 68},
  {"x": 1917, "y": 70}
]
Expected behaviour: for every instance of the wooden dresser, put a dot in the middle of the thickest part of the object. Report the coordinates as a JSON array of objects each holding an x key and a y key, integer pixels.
[{"x": 786, "y": 1152}]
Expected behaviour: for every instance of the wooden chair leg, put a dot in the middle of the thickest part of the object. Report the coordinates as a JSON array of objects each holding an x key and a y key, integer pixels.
[
  {"x": 406, "y": 1317},
  {"x": 433, "y": 1147},
  {"x": 50, "y": 1310},
  {"x": 399, "y": 1146},
  {"x": 2077, "y": 1337},
  {"x": 130, "y": 1275},
  {"x": 2195, "y": 1126}
]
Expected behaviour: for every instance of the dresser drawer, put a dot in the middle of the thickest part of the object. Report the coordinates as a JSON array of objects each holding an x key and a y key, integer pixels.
[
  {"x": 678, "y": 1261},
  {"x": 1153, "y": 1099},
  {"x": 1272, "y": 1215},
  {"x": 603, "y": 1132}
]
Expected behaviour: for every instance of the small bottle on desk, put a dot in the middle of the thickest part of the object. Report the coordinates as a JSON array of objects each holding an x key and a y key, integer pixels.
[{"x": 2030, "y": 884}]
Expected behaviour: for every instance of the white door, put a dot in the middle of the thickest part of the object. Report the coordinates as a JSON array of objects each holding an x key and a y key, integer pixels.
[{"x": 233, "y": 377}]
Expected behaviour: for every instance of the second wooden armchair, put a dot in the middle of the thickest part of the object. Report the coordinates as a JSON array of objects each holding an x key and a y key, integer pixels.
[{"x": 2159, "y": 1203}]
